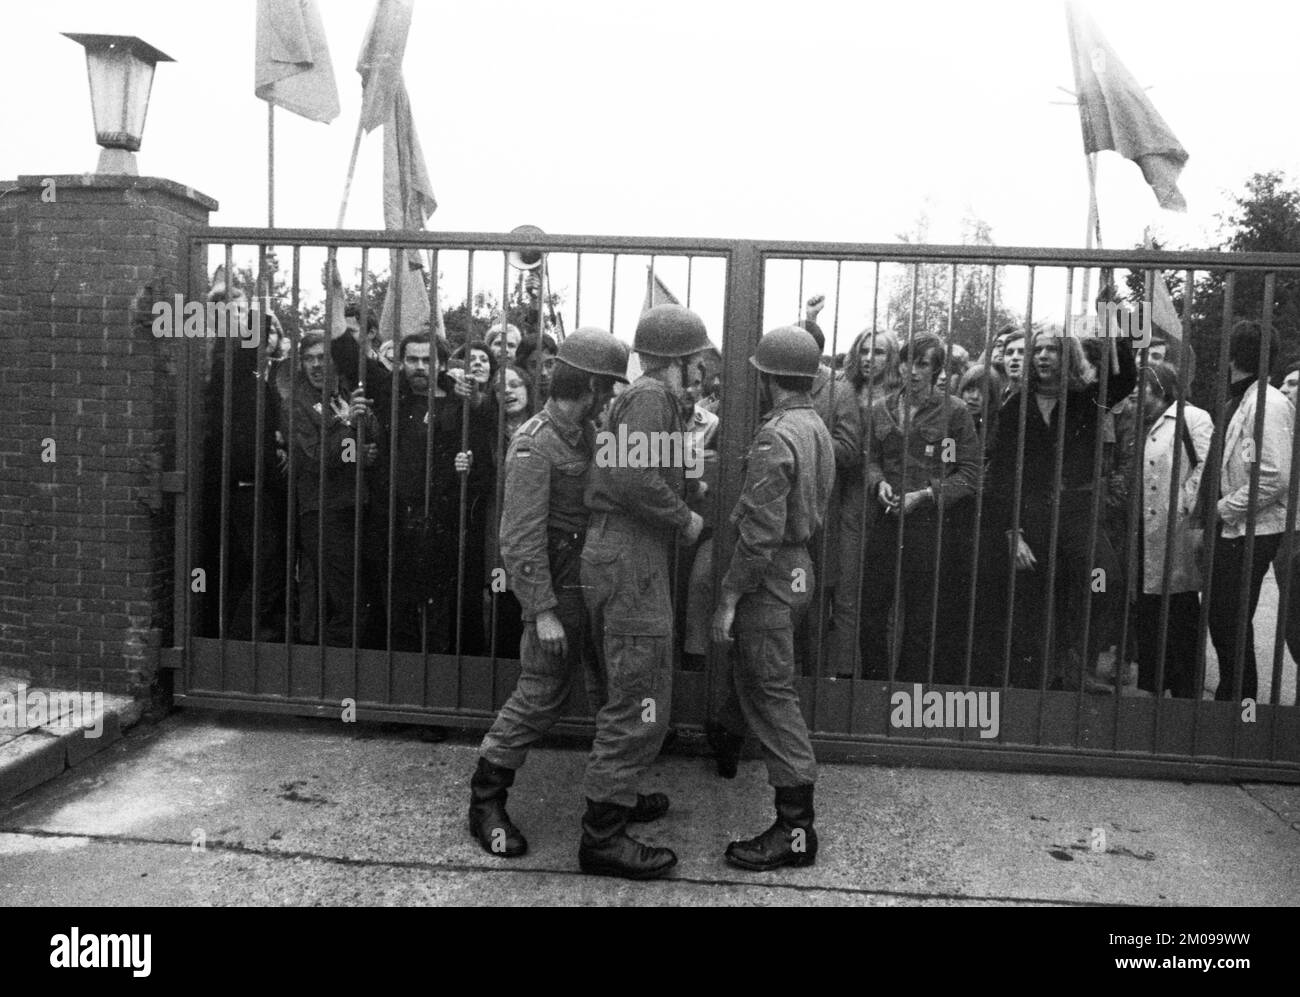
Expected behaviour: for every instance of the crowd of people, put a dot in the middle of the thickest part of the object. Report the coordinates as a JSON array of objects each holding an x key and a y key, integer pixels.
[{"x": 995, "y": 519}]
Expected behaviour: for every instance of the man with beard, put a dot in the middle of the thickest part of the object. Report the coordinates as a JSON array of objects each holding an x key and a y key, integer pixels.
[
  {"x": 790, "y": 470},
  {"x": 638, "y": 514},
  {"x": 426, "y": 545},
  {"x": 543, "y": 525}
]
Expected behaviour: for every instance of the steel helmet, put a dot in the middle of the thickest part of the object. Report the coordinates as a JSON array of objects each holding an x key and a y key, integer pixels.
[
  {"x": 789, "y": 351},
  {"x": 670, "y": 331},
  {"x": 596, "y": 352}
]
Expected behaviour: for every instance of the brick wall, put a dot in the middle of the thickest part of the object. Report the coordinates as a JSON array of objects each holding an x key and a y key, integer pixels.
[{"x": 86, "y": 539}]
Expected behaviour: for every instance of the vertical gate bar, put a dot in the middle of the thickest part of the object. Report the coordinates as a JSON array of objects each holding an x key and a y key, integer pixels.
[
  {"x": 1054, "y": 531},
  {"x": 690, "y": 267},
  {"x": 1175, "y": 497},
  {"x": 1134, "y": 524},
  {"x": 358, "y": 490},
  {"x": 867, "y": 430},
  {"x": 577, "y": 295},
  {"x": 1215, "y": 467},
  {"x": 742, "y": 313},
  {"x": 818, "y": 602},
  {"x": 982, "y": 476},
  {"x": 501, "y": 442},
  {"x": 1284, "y": 584},
  {"x": 394, "y": 391},
  {"x": 187, "y": 451},
  {"x": 1018, "y": 491},
  {"x": 260, "y": 383},
  {"x": 1104, "y": 411},
  {"x": 938, "y": 542},
  {"x": 499, "y": 446},
  {"x": 363, "y": 336},
  {"x": 896, "y": 644},
  {"x": 799, "y": 313},
  {"x": 1245, "y": 624},
  {"x": 463, "y": 491},
  {"x": 495, "y": 519},
  {"x": 325, "y": 408},
  {"x": 227, "y": 395},
  {"x": 613, "y": 291},
  {"x": 844, "y": 386},
  {"x": 429, "y": 433},
  {"x": 291, "y": 491}
]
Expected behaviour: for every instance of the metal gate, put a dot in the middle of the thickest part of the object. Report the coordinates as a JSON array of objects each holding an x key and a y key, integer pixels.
[{"x": 240, "y": 528}]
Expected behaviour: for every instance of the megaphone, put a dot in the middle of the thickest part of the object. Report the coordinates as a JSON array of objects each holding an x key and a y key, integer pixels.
[{"x": 528, "y": 259}]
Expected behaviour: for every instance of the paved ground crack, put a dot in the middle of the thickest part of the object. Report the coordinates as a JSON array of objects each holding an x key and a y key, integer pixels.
[{"x": 515, "y": 869}]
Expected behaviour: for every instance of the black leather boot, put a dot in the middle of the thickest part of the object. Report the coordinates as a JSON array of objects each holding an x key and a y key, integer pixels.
[
  {"x": 488, "y": 820},
  {"x": 789, "y": 841},
  {"x": 649, "y": 807},
  {"x": 606, "y": 849},
  {"x": 726, "y": 748}
]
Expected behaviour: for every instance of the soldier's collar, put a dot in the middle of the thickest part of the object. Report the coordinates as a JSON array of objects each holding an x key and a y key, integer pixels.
[
  {"x": 800, "y": 400},
  {"x": 570, "y": 430}
]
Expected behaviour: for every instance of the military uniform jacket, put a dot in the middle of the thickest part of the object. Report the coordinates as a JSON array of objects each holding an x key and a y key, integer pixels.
[
  {"x": 656, "y": 496},
  {"x": 546, "y": 475},
  {"x": 789, "y": 474}
]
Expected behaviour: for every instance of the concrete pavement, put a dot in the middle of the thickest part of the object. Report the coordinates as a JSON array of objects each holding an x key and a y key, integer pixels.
[{"x": 223, "y": 809}]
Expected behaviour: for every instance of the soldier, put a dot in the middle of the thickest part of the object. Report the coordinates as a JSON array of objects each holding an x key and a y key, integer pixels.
[
  {"x": 638, "y": 512},
  {"x": 790, "y": 470},
  {"x": 543, "y": 525}
]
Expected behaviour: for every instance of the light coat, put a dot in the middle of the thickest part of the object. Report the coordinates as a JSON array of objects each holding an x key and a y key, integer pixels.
[
  {"x": 1162, "y": 442},
  {"x": 1273, "y": 452}
]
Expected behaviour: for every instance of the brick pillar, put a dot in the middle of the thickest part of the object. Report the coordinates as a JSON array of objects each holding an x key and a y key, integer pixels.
[{"x": 90, "y": 398}]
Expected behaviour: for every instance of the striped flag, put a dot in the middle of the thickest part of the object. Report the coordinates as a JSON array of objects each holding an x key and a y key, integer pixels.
[
  {"x": 292, "y": 67},
  {"x": 1115, "y": 113},
  {"x": 380, "y": 61}
]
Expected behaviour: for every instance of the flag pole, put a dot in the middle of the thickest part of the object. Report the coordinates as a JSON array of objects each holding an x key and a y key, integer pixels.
[
  {"x": 270, "y": 165},
  {"x": 1094, "y": 225},
  {"x": 352, "y": 166}
]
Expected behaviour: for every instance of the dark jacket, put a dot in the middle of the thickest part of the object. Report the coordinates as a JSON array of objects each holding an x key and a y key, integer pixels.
[
  {"x": 942, "y": 451},
  {"x": 430, "y": 545},
  {"x": 656, "y": 496},
  {"x": 340, "y": 473},
  {"x": 1081, "y": 426},
  {"x": 244, "y": 445}
]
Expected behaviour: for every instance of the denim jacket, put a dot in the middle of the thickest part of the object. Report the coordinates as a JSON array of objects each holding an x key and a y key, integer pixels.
[{"x": 942, "y": 453}]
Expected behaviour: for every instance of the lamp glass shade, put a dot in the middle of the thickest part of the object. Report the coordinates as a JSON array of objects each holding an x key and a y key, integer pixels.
[{"x": 119, "y": 95}]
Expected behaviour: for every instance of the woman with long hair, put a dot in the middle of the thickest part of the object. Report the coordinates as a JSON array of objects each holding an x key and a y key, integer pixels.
[
  {"x": 1060, "y": 384},
  {"x": 870, "y": 372},
  {"x": 517, "y": 392}
]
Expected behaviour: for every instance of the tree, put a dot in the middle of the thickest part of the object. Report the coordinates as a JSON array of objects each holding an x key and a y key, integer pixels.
[
  {"x": 933, "y": 291},
  {"x": 1265, "y": 218}
]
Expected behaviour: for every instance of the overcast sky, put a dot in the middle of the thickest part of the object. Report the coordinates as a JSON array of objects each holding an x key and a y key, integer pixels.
[{"x": 815, "y": 120}]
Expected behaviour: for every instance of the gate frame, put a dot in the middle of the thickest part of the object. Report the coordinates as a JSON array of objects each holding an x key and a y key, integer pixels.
[{"x": 746, "y": 261}]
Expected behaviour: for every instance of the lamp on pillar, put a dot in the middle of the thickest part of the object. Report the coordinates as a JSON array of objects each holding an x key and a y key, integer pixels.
[{"x": 121, "y": 75}]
